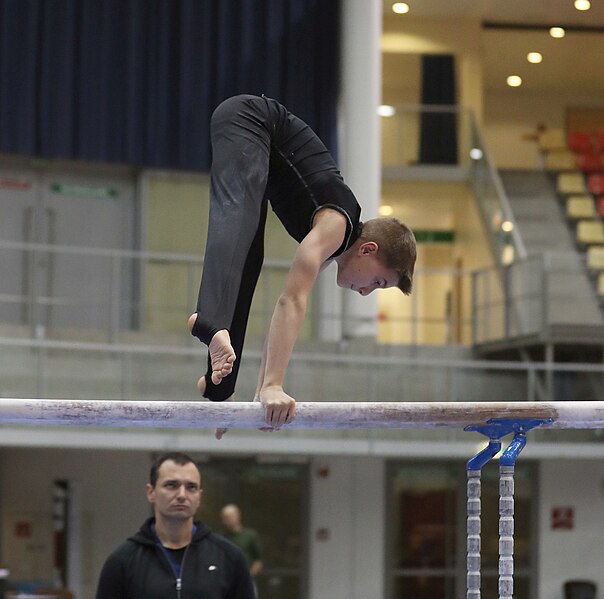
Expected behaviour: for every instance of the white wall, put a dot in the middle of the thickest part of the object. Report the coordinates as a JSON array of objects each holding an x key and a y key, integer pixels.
[
  {"x": 347, "y": 528},
  {"x": 347, "y": 515},
  {"x": 576, "y": 553},
  {"x": 113, "y": 502}
]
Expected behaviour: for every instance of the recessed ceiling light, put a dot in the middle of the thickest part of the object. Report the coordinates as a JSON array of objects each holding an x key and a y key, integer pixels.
[
  {"x": 507, "y": 226},
  {"x": 386, "y": 110},
  {"x": 582, "y": 4},
  {"x": 534, "y": 57},
  {"x": 386, "y": 210},
  {"x": 557, "y": 32},
  {"x": 514, "y": 81},
  {"x": 400, "y": 8},
  {"x": 476, "y": 154}
]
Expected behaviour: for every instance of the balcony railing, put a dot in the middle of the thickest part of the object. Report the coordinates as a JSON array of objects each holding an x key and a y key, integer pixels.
[{"x": 402, "y": 158}]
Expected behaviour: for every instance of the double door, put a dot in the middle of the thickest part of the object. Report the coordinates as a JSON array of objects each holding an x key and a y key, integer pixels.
[{"x": 63, "y": 230}]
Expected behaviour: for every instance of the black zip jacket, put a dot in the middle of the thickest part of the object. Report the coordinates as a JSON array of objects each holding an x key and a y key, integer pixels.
[{"x": 212, "y": 568}]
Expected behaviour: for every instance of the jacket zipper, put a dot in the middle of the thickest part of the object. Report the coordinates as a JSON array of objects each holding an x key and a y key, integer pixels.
[{"x": 179, "y": 579}]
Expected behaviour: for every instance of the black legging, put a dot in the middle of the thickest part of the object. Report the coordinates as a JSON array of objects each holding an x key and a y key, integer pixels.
[
  {"x": 235, "y": 244},
  {"x": 247, "y": 133}
]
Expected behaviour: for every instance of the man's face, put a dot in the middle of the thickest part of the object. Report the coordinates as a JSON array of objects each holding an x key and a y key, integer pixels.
[
  {"x": 364, "y": 272},
  {"x": 230, "y": 518},
  {"x": 177, "y": 493}
]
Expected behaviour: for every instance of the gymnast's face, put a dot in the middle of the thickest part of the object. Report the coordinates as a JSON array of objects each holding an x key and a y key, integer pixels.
[
  {"x": 362, "y": 271},
  {"x": 177, "y": 493}
]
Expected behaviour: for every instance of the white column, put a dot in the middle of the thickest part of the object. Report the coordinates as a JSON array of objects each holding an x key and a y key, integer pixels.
[
  {"x": 359, "y": 135},
  {"x": 347, "y": 520}
]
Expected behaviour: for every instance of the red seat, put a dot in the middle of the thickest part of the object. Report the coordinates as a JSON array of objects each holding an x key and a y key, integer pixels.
[
  {"x": 599, "y": 141},
  {"x": 600, "y": 206},
  {"x": 590, "y": 162},
  {"x": 580, "y": 141},
  {"x": 595, "y": 183}
]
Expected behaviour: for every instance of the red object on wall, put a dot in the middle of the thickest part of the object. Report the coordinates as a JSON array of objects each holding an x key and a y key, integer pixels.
[
  {"x": 23, "y": 529},
  {"x": 322, "y": 472},
  {"x": 563, "y": 517}
]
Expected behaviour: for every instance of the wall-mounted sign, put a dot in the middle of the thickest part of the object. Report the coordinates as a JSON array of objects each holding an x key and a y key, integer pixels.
[
  {"x": 17, "y": 184},
  {"x": 433, "y": 236},
  {"x": 563, "y": 518},
  {"x": 84, "y": 191}
]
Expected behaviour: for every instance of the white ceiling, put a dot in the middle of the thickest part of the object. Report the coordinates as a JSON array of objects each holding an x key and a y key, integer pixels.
[
  {"x": 574, "y": 62},
  {"x": 523, "y": 12}
]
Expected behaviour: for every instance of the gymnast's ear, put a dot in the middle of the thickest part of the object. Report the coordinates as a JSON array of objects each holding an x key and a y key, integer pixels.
[{"x": 368, "y": 247}]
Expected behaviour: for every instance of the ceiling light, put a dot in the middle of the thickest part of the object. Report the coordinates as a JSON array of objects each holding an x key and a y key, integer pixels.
[
  {"x": 386, "y": 110},
  {"x": 400, "y": 8},
  {"x": 582, "y": 4},
  {"x": 534, "y": 57},
  {"x": 386, "y": 210},
  {"x": 514, "y": 81},
  {"x": 557, "y": 32},
  {"x": 507, "y": 226},
  {"x": 475, "y": 153}
]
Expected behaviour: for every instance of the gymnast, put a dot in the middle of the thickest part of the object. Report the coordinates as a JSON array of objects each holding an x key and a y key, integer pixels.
[{"x": 263, "y": 153}]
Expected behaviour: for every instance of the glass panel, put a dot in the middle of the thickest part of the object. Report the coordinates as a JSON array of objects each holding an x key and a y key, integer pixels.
[
  {"x": 428, "y": 530},
  {"x": 278, "y": 586},
  {"x": 423, "y": 513},
  {"x": 423, "y": 587},
  {"x": 273, "y": 499}
]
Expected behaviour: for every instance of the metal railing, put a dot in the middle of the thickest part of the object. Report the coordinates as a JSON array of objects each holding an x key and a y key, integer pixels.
[
  {"x": 539, "y": 294},
  {"x": 53, "y": 291},
  {"x": 470, "y": 161}
]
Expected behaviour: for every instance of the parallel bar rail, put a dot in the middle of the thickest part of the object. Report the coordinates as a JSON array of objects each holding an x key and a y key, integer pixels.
[{"x": 309, "y": 415}]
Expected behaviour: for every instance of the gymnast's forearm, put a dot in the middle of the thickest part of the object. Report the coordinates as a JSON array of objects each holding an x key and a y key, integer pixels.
[
  {"x": 261, "y": 371},
  {"x": 284, "y": 329}
]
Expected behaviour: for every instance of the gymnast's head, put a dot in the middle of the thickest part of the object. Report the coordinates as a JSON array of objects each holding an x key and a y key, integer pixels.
[{"x": 383, "y": 256}]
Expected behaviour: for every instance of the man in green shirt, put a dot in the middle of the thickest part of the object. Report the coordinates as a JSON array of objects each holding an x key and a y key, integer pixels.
[{"x": 247, "y": 539}]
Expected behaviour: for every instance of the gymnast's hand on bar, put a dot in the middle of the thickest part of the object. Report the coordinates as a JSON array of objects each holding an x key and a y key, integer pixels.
[
  {"x": 279, "y": 407},
  {"x": 220, "y": 432}
]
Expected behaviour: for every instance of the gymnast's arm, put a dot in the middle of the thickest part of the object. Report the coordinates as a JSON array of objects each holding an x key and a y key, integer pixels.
[{"x": 312, "y": 254}]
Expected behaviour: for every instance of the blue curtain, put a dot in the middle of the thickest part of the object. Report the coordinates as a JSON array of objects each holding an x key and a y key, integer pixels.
[{"x": 135, "y": 81}]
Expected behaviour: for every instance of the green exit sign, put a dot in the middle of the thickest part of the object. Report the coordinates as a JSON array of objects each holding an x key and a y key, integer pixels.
[
  {"x": 433, "y": 236},
  {"x": 84, "y": 191}
]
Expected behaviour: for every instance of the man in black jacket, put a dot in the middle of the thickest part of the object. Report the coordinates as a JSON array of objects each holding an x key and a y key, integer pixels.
[{"x": 172, "y": 556}]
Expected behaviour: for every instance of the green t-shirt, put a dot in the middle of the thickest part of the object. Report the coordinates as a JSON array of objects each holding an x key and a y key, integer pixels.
[{"x": 248, "y": 540}]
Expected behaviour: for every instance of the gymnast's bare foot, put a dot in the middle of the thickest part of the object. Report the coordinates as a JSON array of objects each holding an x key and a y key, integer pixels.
[{"x": 222, "y": 354}]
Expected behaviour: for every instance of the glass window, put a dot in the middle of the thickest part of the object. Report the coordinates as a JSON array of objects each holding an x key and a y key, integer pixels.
[
  {"x": 273, "y": 498},
  {"x": 427, "y": 530}
]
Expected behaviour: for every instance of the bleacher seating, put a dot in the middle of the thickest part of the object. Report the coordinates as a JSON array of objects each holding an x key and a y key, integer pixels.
[
  {"x": 551, "y": 140},
  {"x": 590, "y": 232},
  {"x": 580, "y": 206},
  {"x": 600, "y": 286},
  {"x": 560, "y": 160},
  {"x": 576, "y": 160},
  {"x": 595, "y": 183},
  {"x": 580, "y": 141},
  {"x": 590, "y": 162},
  {"x": 595, "y": 257},
  {"x": 569, "y": 183}
]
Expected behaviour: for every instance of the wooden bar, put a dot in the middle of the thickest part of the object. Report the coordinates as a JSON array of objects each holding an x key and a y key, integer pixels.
[{"x": 309, "y": 415}]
